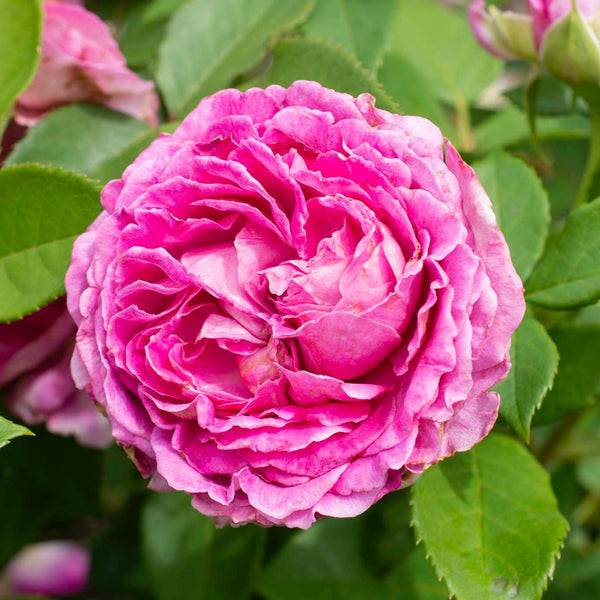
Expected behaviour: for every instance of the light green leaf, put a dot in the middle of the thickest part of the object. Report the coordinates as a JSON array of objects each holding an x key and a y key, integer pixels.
[
  {"x": 509, "y": 127},
  {"x": 20, "y": 30},
  {"x": 578, "y": 374},
  {"x": 360, "y": 27},
  {"x": 329, "y": 64},
  {"x": 521, "y": 207},
  {"x": 568, "y": 274},
  {"x": 82, "y": 138},
  {"x": 42, "y": 210},
  {"x": 9, "y": 431},
  {"x": 588, "y": 473},
  {"x": 209, "y": 42},
  {"x": 322, "y": 563},
  {"x": 189, "y": 559},
  {"x": 489, "y": 521},
  {"x": 412, "y": 93},
  {"x": 439, "y": 44},
  {"x": 534, "y": 360},
  {"x": 113, "y": 167}
]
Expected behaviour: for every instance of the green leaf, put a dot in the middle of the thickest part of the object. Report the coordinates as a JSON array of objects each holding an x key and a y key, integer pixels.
[
  {"x": 489, "y": 521},
  {"x": 20, "y": 30},
  {"x": 329, "y": 64},
  {"x": 83, "y": 138},
  {"x": 209, "y": 42},
  {"x": 534, "y": 363},
  {"x": 9, "y": 431},
  {"x": 439, "y": 44},
  {"x": 144, "y": 30},
  {"x": 578, "y": 374},
  {"x": 42, "y": 210},
  {"x": 568, "y": 274},
  {"x": 415, "y": 579},
  {"x": 509, "y": 127},
  {"x": 322, "y": 563},
  {"x": 412, "y": 93},
  {"x": 189, "y": 559},
  {"x": 521, "y": 207},
  {"x": 588, "y": 473},
  {"x": 360, "y": 27}
]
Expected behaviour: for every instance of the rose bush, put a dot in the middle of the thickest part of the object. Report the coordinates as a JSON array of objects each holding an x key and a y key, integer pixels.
[
  {"x": 34, "y": 359},
  {"x": 293, "y": 305},
  {"x": 81, "y": 62}
]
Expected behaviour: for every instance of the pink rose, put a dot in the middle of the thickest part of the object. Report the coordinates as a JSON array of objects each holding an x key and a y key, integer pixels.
[
  {"x": 34, "y": 357},
  {"x": 81, "y": 62},
  {"x": 293, "y": 305},
  {"x": 53, "y": 569}
]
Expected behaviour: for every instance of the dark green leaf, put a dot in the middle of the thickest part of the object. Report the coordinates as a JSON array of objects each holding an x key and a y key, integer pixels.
[
  {"x": 323, "y": 563},
  {"x": 415, "y": 579},
  {"x": 209, "y": 42},
  {"x": 81, "y": 137},
  {"x": 360, "y": 27},
  {"x": 189, "y": 559},
  {"x": 42, "y": 210},
  {"x": 412, "y": 93},
  {"x": 9, "y": 431},
  {"x": 521, "y": 207},
  {"x": 576, "y": 578},
  {"x": 47, "y": 482},
  {"x": 20, "y": 30},
  {"x": 578, "y": 374},
  {"x": 329, "y": 64},
  {"x": 568, "y": 274},
  {"x": 534, "y": 362},
  {"x": 489, "y": 521},
  {"x": 144, "y": 30}
]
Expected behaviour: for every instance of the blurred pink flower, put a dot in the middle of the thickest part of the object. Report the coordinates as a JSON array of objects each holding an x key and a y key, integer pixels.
[
  {"x": 34, "y": 357},
  {"x": 81, "y": 62},
  {"x": 294, "y": 305},
  {"x": 54, "y": 569}
]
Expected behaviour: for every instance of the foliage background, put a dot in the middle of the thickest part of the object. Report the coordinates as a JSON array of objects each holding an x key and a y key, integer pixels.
[{"x": 489, "y": 519}]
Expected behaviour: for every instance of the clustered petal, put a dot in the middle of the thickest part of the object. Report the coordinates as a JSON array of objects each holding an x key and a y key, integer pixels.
[{"x": 293, "y": 305}]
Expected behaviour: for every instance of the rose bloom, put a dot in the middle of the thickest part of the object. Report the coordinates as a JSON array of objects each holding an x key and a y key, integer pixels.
[
  {"x": 520, "y": 30},
  {"x": 34, "y": 365},
  {"x": 293, "y": 305},
  {"x": 81, "y": 62},
  {"x": 54, "y": 569}
]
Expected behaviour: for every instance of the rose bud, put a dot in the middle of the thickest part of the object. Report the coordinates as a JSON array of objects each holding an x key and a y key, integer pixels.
[
  {"x": 53, "y": 569},
  {"x": 293, "y": 305},
  {"x": 34, "y": 358},
  {"x": 561, "y": 34},
  {"x": 81, "y": 62}
]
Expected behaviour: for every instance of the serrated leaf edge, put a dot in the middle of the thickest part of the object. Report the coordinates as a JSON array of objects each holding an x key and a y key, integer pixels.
[{"x": 554, "y": 556}]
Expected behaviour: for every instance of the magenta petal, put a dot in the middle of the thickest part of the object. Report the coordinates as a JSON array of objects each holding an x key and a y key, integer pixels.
[{"x": 343, "y": 345}]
